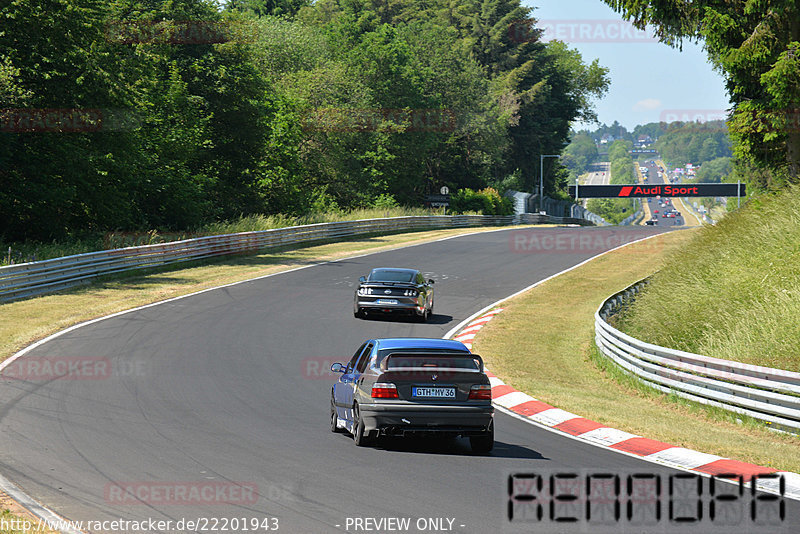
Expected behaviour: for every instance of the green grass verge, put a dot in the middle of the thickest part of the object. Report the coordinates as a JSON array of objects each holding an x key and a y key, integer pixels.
[
  {"x": 548, "y": 352},
  {"x": 743, "y": 279}
]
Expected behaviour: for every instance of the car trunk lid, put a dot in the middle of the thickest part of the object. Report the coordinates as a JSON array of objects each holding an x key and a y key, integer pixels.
[{"x": 433, "y": 378}]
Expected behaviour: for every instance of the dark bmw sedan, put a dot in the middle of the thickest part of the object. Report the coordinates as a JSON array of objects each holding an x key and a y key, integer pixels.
[
  {"x": 394, "y": 290},
  {"x": 413, "y": 386}
]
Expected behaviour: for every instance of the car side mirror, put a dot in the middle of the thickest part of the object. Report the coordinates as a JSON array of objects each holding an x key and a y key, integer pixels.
[
  {"x": 431, "y": 281},
  {"x": 362, "y": 279},
  {"x": 338, "y": 368}
]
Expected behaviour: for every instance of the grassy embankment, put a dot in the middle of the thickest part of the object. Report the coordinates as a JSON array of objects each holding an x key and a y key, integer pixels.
[
  {"x": 734, "y": 307},
  {"x": 743, "y": 276}
]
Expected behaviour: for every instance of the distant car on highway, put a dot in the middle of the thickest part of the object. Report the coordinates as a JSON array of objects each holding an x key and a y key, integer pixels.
[
  {"x": 652, "y": 222},
  {"x": 412, "y": 387},
  {"x": 655, "y": 211},
  {"x": 394, "y": 290}
]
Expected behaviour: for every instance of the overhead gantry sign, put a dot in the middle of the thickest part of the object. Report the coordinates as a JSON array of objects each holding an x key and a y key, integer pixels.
[{"x": 659, "y": 190}]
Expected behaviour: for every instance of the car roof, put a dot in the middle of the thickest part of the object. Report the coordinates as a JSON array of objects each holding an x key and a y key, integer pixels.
[{"x": 419, "y": 343}]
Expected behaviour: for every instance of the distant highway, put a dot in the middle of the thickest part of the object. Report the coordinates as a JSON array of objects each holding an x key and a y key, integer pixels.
[
  {"x": 654, "y": 204},
  {"x": 645, "y": 205},
  {"x": 600, "y": 176},
  {"x": 680, "y": 205}
]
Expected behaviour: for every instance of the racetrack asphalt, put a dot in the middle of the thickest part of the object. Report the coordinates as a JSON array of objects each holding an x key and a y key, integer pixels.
[{"x": 228, "y": 389}]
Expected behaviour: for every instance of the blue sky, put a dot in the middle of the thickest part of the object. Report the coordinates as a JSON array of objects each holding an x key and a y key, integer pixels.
[{"x": 649, "y": 81}]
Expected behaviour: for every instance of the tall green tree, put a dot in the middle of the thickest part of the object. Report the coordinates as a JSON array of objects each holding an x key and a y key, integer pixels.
[
  {"x": 286, "y": 8},
  {"x": 579, "y": 154},
  {"x": 756, "y": 46},
  {"x": 58, "y": 168}
]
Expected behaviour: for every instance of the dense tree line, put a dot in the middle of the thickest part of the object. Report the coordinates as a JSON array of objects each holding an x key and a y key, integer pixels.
[
  {"x": 715, "y": 171},
  {"x": 126, "y": 114},
  {"x": 694, "y": 142},
  {"x": 756, "y": 47},
  {"x": 579, "y": 155}
]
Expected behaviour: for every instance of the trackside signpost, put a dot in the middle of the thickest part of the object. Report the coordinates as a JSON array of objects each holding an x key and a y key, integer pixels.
[{"x": 662, "y": 190}]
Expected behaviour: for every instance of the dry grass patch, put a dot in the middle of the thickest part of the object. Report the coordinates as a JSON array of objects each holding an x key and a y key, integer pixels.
[
  {"x": 17, "y": 519},
  {"x": 543, "y": 344}
]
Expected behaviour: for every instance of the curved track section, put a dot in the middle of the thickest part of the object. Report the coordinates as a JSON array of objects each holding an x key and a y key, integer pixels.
[{"x": 227, "y": 390}]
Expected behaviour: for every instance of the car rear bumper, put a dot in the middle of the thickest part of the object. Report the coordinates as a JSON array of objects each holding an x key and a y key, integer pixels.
[
  {"x": 399, "y": 419},
  {"x": 404, "y": 305}
]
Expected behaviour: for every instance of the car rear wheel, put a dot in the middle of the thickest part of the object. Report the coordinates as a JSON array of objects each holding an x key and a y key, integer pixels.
[
  {"x": 359, "y": 434},
  {"x": 483, "y": 444},
  {"x": 425, "y": 316}
]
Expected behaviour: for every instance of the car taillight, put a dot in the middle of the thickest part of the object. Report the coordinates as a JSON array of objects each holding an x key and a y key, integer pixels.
[
  {"x": 480, "y": 392},
  {"x": 384, "y": 391}
]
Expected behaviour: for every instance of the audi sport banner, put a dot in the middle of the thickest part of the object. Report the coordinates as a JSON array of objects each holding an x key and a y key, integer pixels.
[{"x": 663, "y": 190}]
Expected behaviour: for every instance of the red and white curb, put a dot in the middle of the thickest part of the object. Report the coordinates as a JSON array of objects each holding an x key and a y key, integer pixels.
[{"x": 540, "y": 413}]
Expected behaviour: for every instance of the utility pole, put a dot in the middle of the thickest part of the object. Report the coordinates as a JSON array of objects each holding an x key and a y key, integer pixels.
[{"x": 738, "y": 193}]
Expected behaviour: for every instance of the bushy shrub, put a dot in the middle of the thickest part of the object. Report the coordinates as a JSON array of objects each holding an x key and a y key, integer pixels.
[
  {"x": 486, "y": 201},
  {"x": 385, "y": 200}
]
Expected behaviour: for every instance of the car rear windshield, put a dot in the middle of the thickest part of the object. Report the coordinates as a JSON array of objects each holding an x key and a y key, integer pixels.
[
  {"x": 425, "y": 358},
  {"x": 388, "y": 275}
]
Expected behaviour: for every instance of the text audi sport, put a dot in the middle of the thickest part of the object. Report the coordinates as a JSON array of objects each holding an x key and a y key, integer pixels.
[
  {"x": 394, "y": 290},
  {"x": 412, "y": 386}
]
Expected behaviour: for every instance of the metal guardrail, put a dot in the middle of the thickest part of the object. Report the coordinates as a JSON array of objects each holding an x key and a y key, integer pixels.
[
  {"x": 537, "y": 218},
  {"x": 703, "y": 217},
  {"x": 42, "y": 277},
  {"x": 771, "y": 395},
  {"x": 630, "y": 219},
  {"x": 527, "y": 204}
]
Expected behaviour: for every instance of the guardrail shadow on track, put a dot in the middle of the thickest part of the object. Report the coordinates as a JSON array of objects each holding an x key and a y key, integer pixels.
[{"x": 770, "y": 395}]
